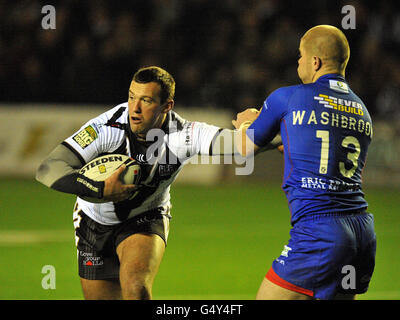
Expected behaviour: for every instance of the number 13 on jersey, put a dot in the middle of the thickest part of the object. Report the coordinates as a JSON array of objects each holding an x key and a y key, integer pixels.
[{"x": 351, "y": 155}]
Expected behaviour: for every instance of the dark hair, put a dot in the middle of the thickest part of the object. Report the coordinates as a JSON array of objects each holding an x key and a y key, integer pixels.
[{"x": 159, "y": 75}]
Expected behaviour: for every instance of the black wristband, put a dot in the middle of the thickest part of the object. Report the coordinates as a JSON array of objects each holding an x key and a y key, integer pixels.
[{"x": 79, "y": 185}]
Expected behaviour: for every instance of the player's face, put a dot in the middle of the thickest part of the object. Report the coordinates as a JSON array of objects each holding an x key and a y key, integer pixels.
[
  {"x": 304, "y": 69},
  {"x": 145, "y": 109}
]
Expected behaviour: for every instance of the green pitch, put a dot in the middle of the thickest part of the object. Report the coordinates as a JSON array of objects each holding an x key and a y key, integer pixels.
[{"x": 222, "y": 241}]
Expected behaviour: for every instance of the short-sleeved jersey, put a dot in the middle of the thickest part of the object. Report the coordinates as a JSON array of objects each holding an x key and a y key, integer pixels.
[
  {"x": 161, "y": 158},
  {"x": 326, "y": 130}
]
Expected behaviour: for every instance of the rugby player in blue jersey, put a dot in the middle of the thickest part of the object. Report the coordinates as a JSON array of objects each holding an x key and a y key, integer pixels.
[{"x": 325, "y": 130}]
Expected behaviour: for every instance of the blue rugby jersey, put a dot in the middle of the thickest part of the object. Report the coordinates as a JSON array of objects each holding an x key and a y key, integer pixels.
[{"x": 326, "y": 130}]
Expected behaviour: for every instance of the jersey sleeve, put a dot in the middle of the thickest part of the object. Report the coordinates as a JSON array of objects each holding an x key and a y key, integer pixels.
[
  {"x": 195, "y": 138},
  {"x": 267, "y": 125},
  {"x": 94, "y": 138},
  {"x": 59, "y": 170}
]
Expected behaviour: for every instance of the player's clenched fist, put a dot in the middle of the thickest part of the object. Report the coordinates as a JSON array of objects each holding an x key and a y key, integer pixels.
[{"x": 114, "y": 189}]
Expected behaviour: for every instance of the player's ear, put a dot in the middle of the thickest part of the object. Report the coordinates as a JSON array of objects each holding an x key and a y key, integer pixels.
[
  {"x": 168, "y": 106},
  {"x": 316, "y": 63}
]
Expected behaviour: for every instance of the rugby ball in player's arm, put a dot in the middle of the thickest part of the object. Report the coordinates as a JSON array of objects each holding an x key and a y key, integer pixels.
[{"x": 99, "y": 169}]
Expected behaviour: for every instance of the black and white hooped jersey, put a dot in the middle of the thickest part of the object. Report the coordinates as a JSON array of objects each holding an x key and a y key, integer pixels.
[{"x": 161, "y": 157}]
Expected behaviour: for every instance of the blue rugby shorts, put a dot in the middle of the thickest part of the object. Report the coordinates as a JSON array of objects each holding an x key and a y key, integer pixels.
[{"x": 327, "y": 254}]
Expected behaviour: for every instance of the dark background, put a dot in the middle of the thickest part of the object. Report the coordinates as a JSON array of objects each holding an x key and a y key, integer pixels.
[{"x": 225, "y": 54}]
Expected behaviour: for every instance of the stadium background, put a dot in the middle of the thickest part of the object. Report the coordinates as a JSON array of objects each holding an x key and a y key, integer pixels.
[{"x": 226, "y": 229}]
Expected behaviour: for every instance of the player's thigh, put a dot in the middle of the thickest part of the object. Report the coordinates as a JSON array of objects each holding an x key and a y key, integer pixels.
[
  {"x": 140, "y": 256},
  {"x": 101, "y": 289},
  {"x": 270, "y": 291}
]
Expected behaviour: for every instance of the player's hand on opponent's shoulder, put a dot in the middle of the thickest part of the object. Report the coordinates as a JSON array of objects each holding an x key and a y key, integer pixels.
[
  {"x": 245, "y": 117},
  {"x": 115, "y": 190}
]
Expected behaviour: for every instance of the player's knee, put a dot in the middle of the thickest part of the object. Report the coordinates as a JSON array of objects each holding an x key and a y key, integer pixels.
[{"x": 136, "y": 289}]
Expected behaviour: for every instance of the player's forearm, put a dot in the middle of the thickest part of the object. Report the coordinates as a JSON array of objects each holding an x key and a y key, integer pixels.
[
  {"x": 59, "y": 171},
  {"x": 223, "y": 143},
  {"x": 79, "y": 185},
  {"x": 242, "y": 143},
  {"x": 227, "y": 143}
]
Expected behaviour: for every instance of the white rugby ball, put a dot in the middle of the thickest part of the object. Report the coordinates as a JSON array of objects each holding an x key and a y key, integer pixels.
[{"x": 99, "y": 169}]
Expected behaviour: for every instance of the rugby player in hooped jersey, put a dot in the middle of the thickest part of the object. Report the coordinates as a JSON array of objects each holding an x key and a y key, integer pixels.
[
  {"x": 121, "y": 242},
  {"x": 326, "y": 130}
]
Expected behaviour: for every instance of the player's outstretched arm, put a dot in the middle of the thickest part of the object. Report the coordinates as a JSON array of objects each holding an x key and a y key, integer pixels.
[
  {"x": 244, "y": 145},
  {"x": 244, "y": 119}
]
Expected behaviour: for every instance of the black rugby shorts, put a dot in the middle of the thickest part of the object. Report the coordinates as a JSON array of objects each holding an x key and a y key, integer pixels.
[{"x": 97, "y": 243}]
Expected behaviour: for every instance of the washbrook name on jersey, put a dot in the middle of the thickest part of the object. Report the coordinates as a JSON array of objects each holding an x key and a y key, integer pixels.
[
  {"x": 307, "y": 117},
  {"x": 326, "y": 130}
]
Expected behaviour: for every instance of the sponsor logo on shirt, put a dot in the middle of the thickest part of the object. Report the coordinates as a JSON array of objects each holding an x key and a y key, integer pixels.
[
  {"x": 328, "y": 184},
  {"x": 85, "y": 137},
  {"x": 339, "y": 86},
  {"x": 339, "y": 104}
]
